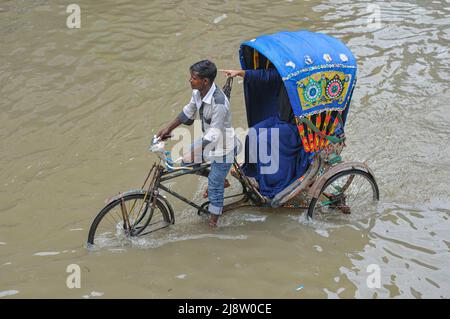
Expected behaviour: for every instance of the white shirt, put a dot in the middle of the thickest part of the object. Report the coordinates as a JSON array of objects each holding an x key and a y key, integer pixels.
[{"x": 214, "y": 110}]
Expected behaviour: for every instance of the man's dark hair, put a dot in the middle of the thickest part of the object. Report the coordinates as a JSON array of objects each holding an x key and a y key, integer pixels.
[{"x": 205, "y": 69}]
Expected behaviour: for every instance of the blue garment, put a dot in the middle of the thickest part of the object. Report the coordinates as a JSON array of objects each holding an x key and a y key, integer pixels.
[
  {"x": 261, "y": 89},
  {"x": 292, "y": 160},
  {"x": 216, "y": 180}
]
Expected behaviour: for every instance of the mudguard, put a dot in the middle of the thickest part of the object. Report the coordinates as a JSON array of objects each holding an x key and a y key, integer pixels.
[{"x": 314, "y": 191}]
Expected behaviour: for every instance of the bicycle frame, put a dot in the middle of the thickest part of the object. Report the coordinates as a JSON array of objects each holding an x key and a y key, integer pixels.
[{"x": 168, "y": 175}]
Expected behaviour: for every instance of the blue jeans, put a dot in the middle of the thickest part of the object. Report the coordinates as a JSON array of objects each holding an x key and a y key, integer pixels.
[
  {"x": 216, "y": 177},
  {"x": 216, "y": 180}
]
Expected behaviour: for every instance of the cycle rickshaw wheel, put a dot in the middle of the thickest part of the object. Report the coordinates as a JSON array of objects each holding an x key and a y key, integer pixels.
[
  {"x": 110, "y": 226},
  {"x": 350, "y": 192}
]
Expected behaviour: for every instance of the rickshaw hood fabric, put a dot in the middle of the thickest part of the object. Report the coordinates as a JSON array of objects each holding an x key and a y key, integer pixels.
[{"x": 318, "y": 71}]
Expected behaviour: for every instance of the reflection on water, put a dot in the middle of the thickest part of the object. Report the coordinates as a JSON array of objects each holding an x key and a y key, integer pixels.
[
  {"x": 79, "y": 106},
  {"x": 410, "y": 245}
]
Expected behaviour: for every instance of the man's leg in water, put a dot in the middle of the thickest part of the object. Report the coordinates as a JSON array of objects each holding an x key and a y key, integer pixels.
[{"x": 216, "y": 180}]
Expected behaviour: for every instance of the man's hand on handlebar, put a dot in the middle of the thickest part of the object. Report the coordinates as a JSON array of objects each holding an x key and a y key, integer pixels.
[{"x": 164, "y": 134}]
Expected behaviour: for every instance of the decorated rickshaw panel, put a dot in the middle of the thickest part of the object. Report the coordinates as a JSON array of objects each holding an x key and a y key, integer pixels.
[{"x": 329, "y": 88}]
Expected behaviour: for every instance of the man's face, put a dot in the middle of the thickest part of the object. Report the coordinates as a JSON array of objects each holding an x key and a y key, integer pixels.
[{"x": 197, "y": 83}]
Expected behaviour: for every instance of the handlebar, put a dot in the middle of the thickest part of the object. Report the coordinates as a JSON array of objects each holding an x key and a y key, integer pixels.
[{"x": 157, "y": 146}]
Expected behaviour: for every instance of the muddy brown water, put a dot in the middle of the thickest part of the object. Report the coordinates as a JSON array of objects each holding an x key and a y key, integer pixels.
[{"x": 79, "y": 106}]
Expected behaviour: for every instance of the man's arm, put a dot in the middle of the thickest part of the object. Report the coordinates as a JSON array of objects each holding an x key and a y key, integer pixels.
[
  {"x": 185, "y": 117},
  {"x": 260, "y": 75},
  {"x": 233, "y": 73},
  {"x": 164, "y": 133}
]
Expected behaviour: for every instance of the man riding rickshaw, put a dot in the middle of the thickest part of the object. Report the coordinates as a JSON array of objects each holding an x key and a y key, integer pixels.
[{"x": 298, "y": 87}]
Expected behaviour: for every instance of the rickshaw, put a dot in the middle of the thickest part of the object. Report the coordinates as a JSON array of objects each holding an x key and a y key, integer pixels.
[{"x": 319, "y": 74}]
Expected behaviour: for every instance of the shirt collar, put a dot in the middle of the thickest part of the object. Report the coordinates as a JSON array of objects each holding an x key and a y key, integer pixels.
[{"x": 209, "y": 95}]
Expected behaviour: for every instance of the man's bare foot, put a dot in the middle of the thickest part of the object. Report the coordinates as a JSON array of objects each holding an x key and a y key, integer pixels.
[
  {"x": 212, "y": 222},
  {"x": 225, "y": 185}
]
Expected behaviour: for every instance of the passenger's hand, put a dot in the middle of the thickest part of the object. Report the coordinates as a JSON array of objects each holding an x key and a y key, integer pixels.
[
  {"x": 163, "y": 134},
  {"x": 233, "y": 73}
]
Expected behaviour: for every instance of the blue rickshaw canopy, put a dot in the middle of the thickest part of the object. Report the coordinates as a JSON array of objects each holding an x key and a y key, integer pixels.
[{"x": 318, "y": 70}]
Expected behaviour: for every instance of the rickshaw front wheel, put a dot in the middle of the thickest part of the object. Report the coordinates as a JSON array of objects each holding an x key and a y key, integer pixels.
[
  {"x": 129, "y": 216},
  {"x": 350, "y": 192}
]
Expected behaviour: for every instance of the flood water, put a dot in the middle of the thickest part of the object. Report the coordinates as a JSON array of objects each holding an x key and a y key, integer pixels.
[{"x": 79, "y": 106}]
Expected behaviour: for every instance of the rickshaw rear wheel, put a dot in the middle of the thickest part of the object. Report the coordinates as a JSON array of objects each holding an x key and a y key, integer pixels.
[
  {"x": 109, "y": 225},
  {"x": 352, "y": 191}
]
